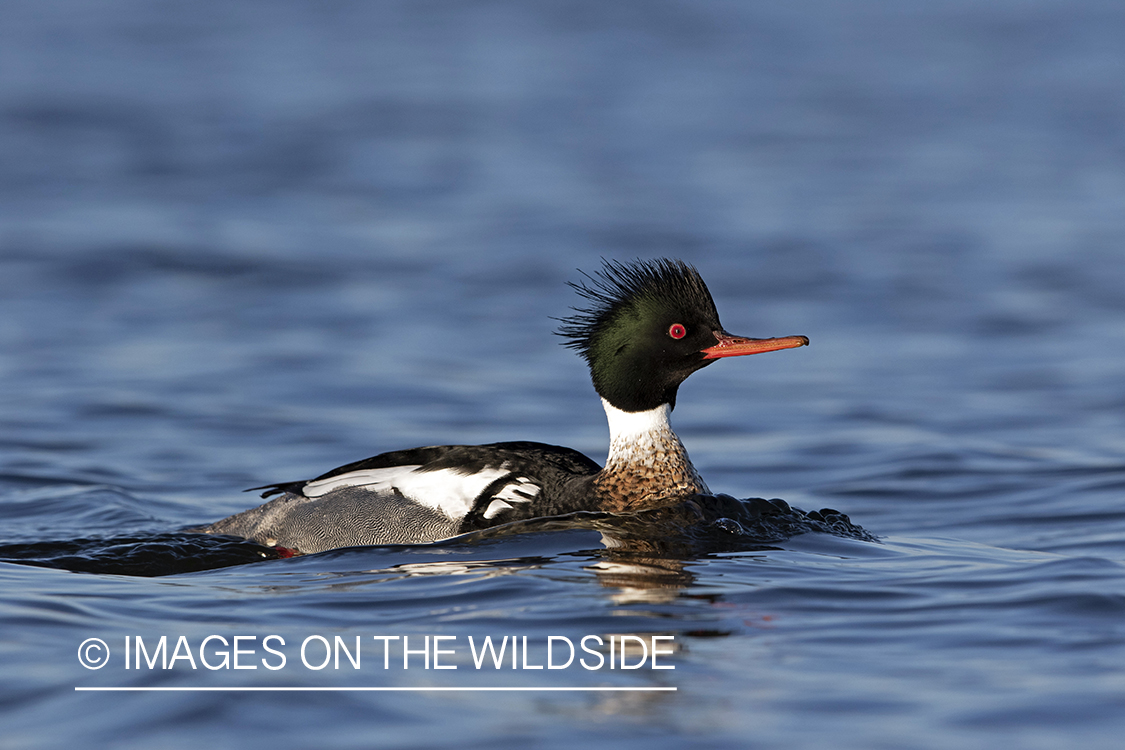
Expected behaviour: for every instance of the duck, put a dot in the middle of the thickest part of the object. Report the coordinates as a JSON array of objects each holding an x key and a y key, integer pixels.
[{"x": 646, "y": 326}]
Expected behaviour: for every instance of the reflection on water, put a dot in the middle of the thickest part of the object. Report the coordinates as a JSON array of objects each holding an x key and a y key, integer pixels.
[
  {"x": 242, "y": 242},
  {"x": 639, "y": 580}
]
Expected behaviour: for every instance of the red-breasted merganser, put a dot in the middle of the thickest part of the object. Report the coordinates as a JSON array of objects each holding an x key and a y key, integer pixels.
[{"x": 648, "y": 326}]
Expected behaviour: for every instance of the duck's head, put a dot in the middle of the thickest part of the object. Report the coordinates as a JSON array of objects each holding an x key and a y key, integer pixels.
[{"x": 649, "y": 325}]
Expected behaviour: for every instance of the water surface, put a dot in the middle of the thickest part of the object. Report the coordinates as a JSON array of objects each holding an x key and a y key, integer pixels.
[{"x": 246, "y": 243}]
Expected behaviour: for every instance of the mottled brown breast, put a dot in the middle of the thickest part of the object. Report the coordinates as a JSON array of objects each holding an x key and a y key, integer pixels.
[{"x": 638, "y": 477}]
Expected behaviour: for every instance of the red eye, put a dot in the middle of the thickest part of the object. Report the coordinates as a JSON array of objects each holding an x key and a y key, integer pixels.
[{"x": 677, "y": 331}]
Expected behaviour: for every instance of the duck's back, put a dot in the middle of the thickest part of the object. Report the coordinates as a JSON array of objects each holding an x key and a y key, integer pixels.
[{"x": 417, "y": 495}]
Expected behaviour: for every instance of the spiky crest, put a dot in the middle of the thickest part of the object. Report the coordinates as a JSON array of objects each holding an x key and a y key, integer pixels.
[{"x": 623, "y": 288}]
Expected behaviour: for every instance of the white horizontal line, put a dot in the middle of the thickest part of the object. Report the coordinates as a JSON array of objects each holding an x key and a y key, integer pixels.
[{"x": 252, "y": 689}]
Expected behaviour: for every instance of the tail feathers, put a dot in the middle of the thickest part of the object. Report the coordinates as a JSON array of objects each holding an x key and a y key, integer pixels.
[{"x": 279, "y": 489}]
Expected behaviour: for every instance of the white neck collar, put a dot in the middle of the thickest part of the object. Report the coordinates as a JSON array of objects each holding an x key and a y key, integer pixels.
[{"x": 631, "y": 424}]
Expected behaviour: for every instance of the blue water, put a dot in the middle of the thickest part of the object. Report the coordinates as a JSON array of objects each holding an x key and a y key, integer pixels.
[{"x": 247, "y": 242}]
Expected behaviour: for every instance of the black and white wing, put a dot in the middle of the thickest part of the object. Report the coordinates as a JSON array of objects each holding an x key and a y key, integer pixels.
[{"x": 412, "y": 496}]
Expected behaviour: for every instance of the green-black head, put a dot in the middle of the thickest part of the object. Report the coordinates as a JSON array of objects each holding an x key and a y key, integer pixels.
[{"x": 649, "y": 325}]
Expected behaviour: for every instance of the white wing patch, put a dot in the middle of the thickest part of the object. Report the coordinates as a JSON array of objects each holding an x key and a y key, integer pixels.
[
  {"x": 520, "y": 490},
  {"x": 447, "y": 491},
  {"x": 495, "y": 507}
]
